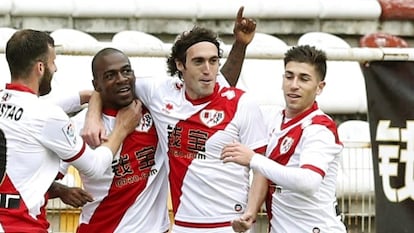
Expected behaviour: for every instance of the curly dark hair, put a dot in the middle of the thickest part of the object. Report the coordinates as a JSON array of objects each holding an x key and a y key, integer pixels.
[{"x": 186, "y": 40}]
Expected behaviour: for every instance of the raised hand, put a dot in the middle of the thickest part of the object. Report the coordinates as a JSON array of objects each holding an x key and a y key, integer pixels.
[{"x": 244, "y": 28}]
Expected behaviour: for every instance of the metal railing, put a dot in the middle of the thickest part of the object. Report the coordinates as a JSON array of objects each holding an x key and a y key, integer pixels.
[{"x": 355, "y": 188}]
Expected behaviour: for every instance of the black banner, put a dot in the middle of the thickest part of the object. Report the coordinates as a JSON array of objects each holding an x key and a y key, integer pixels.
[{"x": 390, "y": 95}]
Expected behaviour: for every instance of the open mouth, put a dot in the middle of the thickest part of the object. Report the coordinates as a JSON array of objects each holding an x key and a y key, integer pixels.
[
  {"x": 206, "y": 81},
  {"x": 124, "y": 89},
  {"x": 293, "y": 96}
]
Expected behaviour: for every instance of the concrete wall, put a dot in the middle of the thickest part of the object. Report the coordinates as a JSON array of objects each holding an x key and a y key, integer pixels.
[{"x": 349, "y": 19}]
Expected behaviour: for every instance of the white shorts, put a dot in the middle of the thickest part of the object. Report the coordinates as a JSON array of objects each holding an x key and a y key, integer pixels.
[{"x": 180, "y": 229}]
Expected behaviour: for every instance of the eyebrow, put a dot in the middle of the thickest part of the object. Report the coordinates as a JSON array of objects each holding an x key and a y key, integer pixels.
[
  {"x": 204, "y": 58},
  {"x": 123, "y": 67},
  {"x": 300, "y": 74}
]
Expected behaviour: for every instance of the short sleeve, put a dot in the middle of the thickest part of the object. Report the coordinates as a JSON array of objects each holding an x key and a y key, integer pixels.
[{"x": 60, "y": 135}]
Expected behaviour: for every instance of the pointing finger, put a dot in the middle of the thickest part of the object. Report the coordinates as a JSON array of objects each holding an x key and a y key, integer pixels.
[{"x": 240, "y": 14}]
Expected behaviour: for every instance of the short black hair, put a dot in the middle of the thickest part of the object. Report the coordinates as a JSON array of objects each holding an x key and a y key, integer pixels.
[
  {"x": 101, "y": 53},
  {"x": 310, "y": 55},
  {"x": 25, "y": 48}
]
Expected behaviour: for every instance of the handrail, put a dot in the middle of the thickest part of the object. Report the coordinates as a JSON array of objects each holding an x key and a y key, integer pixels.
[{"x": 333, "y": 54}]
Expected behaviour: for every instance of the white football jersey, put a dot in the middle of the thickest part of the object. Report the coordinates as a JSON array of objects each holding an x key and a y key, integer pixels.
[
  {"x": 132, "y": 194},
  {"x": 294, "y": 144},
  {"x": 70, "y": 102},
  {"x": 35, "y": 135},
  {"x": 206, "y": 193}
]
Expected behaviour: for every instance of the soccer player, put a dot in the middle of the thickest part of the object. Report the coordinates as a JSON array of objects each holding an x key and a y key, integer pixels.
[
  {"x": 132, "y": 194},
  {"x": 35, "y": 135},
  {"x": 195, "y": 117},
  {"x": 302, "y": 156},
  {"x": 113, "y": 62}
]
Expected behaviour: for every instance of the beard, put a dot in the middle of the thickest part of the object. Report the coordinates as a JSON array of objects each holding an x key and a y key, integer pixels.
[{"x": 45, "y": 82}]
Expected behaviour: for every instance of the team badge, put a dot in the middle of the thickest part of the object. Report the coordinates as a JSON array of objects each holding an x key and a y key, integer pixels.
[
  {"x": 211, "y": 117},
  {"x": 287, "y": 143},
  {"x": 146, "y": 123},
  {"x": 69, "y": 132}
]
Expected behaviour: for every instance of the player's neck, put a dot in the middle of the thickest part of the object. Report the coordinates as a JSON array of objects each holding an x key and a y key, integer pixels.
[{"x": 27, "y": 82}]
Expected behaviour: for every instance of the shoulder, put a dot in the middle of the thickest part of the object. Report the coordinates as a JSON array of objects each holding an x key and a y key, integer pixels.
[
  {"x": 319, "y": 118},
  {"x": 153, "y": 84},
  {"x": 272, "y": 115},
  {"x": 326, "y": 121},
  {"x": 322, "y": 124},
  {"x": 50, "y": 109},
  {"x": 79, "y": 118},
  {"x": 231, "y": 93},
  {"x": 157, "y": 81}
]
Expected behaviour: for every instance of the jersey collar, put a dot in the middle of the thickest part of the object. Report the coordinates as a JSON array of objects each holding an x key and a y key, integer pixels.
[
  {"x": 205, "y": 99},
  {"x": 299, "y": 117},
  {"x": 110, "y": 112},
  {"x": 19, "y": 87}
]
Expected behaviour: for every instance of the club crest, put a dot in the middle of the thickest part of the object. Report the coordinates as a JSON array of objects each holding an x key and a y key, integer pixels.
[
  {"x": 211, "y": 117},
  {"x": 287, "y": 143},
  {"x": 146, "y": 123}
]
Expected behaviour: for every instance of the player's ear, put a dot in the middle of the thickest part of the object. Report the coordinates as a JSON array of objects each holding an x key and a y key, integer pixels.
[
  {"x": 180, "y": 66},
  {"x": 39, "y": 68},
  {"x": 320, "y": 87},
  {"x": 96, "y": 85}
]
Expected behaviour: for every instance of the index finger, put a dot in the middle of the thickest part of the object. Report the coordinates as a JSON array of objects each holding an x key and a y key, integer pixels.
[{"x": 240, "y": 14}]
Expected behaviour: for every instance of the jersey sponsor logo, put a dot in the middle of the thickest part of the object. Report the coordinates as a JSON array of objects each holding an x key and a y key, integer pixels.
[
  {"x": 122, "y": 181},
  {"x": 146, "y": 123},
  {"x": 69, "y": 132},
  {"x": 287, "y": 143},
  {"x": 9, "y": 201},
  {"x": 211, "y": 117},
  {"x": 187, "y": 155},
  {"x": 190, "y": 145},
  {"x": 10, "y": 111}
]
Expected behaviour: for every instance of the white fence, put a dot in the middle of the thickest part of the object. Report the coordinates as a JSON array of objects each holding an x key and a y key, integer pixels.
[{"x": 355, "y": 186}]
